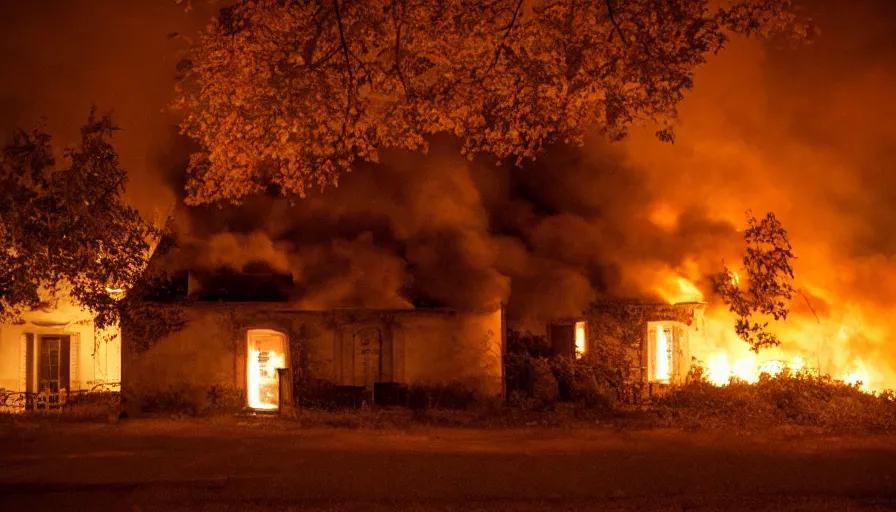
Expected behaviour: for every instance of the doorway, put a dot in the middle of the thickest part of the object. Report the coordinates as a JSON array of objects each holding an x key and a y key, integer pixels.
[{"x": 267, "y": 353}]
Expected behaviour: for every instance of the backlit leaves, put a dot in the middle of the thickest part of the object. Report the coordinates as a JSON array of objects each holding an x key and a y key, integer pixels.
[
  {"x": 291, "y": 92},
  {"x": 67, "y": 230},
  {"x": 766, "y": 288}
]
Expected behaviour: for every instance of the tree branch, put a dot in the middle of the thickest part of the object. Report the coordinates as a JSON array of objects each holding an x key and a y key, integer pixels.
[
  {"x": 516, "y": 13},
  {"x": 348, "y": 60},
  {"x": 348, "y": 65},
  {"x": 803, "y": 295},
  {"x": 401, "y": 78},
  {"x": 614, "y": 22}
]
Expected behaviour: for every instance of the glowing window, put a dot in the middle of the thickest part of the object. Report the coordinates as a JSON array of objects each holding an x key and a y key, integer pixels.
[
  {"x": 580, "y": 340},
  {"x": 267, "y": 353},
  {"x": 660, "y": 351}
]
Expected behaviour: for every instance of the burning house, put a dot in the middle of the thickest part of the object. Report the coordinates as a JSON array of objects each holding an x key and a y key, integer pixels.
[
  {"x": 234, "y": 352},
  {"x": 655, "y": 338}
]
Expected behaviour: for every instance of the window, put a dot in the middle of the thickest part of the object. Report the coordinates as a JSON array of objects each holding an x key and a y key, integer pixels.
[
  {"x": 581, "y": 344},
  {"x": 53, "y": 372},
  {"x": 663, "y": 340},
  {"x": 569, "y": 339}
]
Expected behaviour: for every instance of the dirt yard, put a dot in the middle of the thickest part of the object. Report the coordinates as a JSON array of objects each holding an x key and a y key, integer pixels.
[{"x": 264, "y": 464}]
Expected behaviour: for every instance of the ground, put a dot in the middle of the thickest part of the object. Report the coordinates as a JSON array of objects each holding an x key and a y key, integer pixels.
[{"x": 266, "y": 464}]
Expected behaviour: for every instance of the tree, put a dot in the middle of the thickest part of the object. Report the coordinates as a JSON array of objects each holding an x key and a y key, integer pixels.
[
  {"x": 67, "y": 232},
  {"x": 290, "y": 93},
  {"x": 765, "y": 288}
]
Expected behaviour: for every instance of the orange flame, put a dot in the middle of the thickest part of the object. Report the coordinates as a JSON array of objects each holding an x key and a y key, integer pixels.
[{"x": 818, "y": 345}]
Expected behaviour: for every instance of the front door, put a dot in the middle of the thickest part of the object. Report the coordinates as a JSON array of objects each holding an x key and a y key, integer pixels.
[
  {"x": 368, "y": 345},
  {"x": 53, "y": 370}
]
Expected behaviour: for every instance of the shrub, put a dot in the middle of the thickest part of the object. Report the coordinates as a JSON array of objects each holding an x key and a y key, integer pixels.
[
  {"x": 786, "y": 399},
  {"x": 180, "y": 399},
  {"x": 545, "y": 388}
]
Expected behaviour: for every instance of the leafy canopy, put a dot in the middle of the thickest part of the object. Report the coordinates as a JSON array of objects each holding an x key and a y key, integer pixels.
[
  {"x": 291, "y": 92},
  {"x": 67, "y": 231},
  {"x": 766, "y": 288}
]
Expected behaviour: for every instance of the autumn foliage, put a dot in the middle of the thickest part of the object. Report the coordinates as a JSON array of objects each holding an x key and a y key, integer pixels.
[{"x": 290, "y": 93}]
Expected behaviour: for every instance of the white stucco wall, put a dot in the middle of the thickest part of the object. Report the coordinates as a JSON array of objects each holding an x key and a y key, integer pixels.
[{"x": 93, "y": 359}]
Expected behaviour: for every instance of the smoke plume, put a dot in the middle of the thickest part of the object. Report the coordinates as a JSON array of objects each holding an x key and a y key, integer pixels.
[{"x": 803, "y": 132}]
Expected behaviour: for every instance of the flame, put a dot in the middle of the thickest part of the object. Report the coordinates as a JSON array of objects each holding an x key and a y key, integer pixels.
[
  {"x": 678, "y": 289},
  {"x": 857, "y": 376},
  {"x": 262, "y": 378},
  {"x": 580, "y": 339},
  {"x": 839, "y": 343},
  {"x": 747, "y": 368}
]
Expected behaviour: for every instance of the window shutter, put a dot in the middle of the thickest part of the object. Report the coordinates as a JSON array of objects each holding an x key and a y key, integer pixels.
[
  {"x": 677, "y": 369},
  {"x": 23, "y": 363},
  {"x": 75, "y": 363},
  {"x": 651, "y": 353},
  {"x": 26, "y": 369}
]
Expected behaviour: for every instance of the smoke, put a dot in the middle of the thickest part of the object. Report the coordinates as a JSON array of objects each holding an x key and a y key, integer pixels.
[{"x": 802, "y": 132}]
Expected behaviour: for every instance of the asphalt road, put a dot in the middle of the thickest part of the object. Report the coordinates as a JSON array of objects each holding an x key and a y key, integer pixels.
[{"x": 260, "y": 465}]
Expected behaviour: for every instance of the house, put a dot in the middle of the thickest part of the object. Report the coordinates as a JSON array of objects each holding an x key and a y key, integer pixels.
[
  {"x": 53, "y": 354},
  {"x": 655, "y": 337},
  {"x": 234, "y": 350}
]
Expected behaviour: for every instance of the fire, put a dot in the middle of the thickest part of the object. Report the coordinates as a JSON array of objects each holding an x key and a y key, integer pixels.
[
  {"x": 580, "y": 339},
  {"x": 821, "y": 345},
  {"x": 720, "y": 371},
  {"x": 262, "y": 378},
  {"x": 679, "y": 289},
  {"x": 858, "y": 376}
]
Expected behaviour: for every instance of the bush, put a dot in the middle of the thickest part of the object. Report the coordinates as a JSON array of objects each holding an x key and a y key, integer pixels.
[
  {"x": 786, "y": 399},
  {"x": 181, "y": 399},
  {"x": 545, "y": 389}
]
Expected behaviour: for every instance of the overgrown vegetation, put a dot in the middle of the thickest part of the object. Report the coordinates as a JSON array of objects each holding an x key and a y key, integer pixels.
[
  {"x": 539, "y": 381},
  {"x": 788, "y": 398}
]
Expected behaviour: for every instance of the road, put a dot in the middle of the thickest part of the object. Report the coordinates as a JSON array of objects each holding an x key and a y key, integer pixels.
[{"x": 143, "y": 465}]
